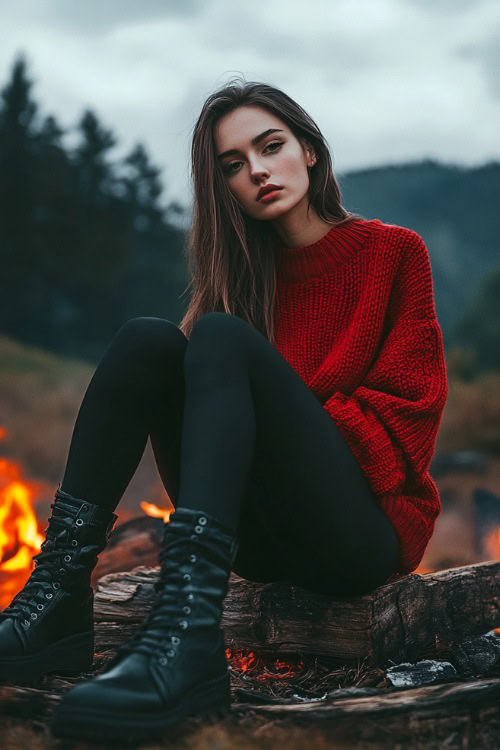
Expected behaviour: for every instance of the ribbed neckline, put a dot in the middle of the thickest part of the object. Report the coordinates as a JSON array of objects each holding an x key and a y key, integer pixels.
[{"x": 341, "y": 242}]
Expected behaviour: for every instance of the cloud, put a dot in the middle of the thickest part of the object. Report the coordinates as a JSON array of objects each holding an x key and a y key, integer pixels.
[
  {"x": 487, "y": 55},
  {"x": 98, "y": 17},
  {"x": 447, "y": 6}
]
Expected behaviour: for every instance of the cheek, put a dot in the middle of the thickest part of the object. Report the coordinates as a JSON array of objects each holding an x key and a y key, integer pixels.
[
  {"x": 238, "y": 191},
  {"x": 292, "y": 169}
]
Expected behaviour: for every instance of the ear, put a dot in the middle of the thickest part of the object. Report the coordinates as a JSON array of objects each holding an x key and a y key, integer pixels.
[{"x": 310, "y": 153}]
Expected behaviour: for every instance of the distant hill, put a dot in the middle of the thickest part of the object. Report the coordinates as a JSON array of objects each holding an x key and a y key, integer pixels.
[{"x": 454, "y": 209}]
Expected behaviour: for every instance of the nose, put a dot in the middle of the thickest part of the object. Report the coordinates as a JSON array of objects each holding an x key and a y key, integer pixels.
[{"x": 257, "y": 172}]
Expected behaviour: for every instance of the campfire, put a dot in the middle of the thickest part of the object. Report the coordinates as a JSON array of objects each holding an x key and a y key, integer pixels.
[{"x": 20, "y": 532}]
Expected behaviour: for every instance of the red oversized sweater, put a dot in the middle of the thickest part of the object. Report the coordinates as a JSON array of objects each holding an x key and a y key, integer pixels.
[{"x": 355, "y": 317}]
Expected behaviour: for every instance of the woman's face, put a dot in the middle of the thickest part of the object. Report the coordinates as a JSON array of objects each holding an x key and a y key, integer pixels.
[{"x": 278, "y": 158}]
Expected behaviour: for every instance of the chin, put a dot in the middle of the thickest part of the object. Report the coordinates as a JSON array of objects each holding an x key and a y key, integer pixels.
[{"x": 273, "y": 212}]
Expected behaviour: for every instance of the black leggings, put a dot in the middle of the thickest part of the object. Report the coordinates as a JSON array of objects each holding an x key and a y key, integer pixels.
[{"x": 235, "y": 432}]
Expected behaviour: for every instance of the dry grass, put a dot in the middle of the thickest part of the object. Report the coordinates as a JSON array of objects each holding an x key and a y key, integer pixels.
[
  {"x": 40, "y": 398},
  {"x": 471, "y": 418}
]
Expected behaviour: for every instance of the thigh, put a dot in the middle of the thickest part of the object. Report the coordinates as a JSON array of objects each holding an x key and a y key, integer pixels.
[
  {"x": 147, "y": 354},
  {"x": 306, "y": 488}
]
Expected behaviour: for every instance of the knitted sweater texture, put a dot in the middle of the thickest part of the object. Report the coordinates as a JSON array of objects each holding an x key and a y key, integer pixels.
[{"x": 355, "y": 317}]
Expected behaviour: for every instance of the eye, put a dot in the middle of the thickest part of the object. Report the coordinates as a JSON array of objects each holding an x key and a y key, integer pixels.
[
  {"x": 275, "y": 143},
  {"x": 229, "y": 170}
]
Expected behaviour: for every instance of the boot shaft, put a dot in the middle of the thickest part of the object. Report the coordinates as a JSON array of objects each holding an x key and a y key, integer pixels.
[
  {"x": 77, "y": 532},
  {"x": 196, "y": 558},
  {"x": 58, "y": 597}
]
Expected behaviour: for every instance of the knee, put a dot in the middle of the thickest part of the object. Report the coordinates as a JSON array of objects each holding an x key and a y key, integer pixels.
[
  {"x": 214, "y": 324},
  {"x": 150, "y": 337},
  {"x": 214, "y": 335}
]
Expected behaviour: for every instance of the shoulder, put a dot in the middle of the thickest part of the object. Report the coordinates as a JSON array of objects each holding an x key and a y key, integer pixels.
[
  {"x": 399, "y": 245},
  {"x": 394, "y": 234}
]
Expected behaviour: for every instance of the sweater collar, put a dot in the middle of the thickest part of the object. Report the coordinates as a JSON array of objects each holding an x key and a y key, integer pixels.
[{"x": 341, "y": 242}]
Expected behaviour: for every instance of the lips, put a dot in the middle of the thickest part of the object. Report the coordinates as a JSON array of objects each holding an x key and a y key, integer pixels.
[{"x": 267, "y": 189}]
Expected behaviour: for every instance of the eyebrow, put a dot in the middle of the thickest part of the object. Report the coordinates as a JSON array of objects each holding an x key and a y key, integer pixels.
[{"x": 254, "y": 142}]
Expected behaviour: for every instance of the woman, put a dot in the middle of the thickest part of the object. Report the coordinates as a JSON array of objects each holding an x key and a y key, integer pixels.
[{"x": 293, "y": 415}]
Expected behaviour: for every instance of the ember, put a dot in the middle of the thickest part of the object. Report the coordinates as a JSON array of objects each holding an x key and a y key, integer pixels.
[{"x": 244, "y": 660}]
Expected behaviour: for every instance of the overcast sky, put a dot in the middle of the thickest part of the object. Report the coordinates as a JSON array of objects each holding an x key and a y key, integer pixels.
[{"x": 387, "y": 81}]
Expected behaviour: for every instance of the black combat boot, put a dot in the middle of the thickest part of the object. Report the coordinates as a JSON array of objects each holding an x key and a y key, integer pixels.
[
  {"x": 175, "y": 666},
  {"x": 49, "y": 625}
]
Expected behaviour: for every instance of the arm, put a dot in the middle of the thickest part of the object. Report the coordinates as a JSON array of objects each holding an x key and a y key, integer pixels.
[{"x": 391, "y": 420}]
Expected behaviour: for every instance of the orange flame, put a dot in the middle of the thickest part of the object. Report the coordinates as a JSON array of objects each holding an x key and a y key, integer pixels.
[
  {"x": 492, "y": 544},
  {"x": 153, "y": 510},
  {"x": 20, "y": 537}
]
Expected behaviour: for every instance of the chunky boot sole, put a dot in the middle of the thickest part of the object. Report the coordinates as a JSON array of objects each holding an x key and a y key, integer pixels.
[
  {"x": 68, "y": 656},
  {"x": 210, "y": 701}
]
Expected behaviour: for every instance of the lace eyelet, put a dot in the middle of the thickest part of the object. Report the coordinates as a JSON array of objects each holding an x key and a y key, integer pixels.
[
  {"x": 67, "y": 558},
  {"x": 192, "y": 558},
  {"x": 74, "y": 542},
  {"x": 26, "y": 623},
  {"x": 79, "y": 522},
  {"x": 170, "y": 652},
  {"x": 62, "y": 570},
  {"x": 39, "y": 607},
  {"x": 198, "y": 529},
  {"x": 186, "y": 577},
  {"x": 49, "y": 596},
  {"x": 183, "y": 624},
  {"x": 163, "y": 661},
  {"x": 202, "y": 520},
  {"x": 175, "y": 640},
  {"x": 190, "y": 597},
  {"x": 85, "y": 508},
  {"x": 193, "y": 536},
  {"x": 33, "y": 615},
  {"x": 186, "y": 610},
  {"x": 56, "y": 585}
]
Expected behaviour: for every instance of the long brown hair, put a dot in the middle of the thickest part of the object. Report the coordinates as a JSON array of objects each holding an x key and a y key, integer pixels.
[{"x": 230, "y": 255}]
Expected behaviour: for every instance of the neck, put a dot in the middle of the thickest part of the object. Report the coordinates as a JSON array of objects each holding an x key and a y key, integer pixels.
[
  {"x": 320, "y": 258},
  {"x": 299, "y": 227}
]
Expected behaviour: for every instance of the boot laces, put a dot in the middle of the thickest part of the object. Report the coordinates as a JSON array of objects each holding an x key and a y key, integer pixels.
[
  {"x": 168, "y": 617},
  {"x": 50, "y": 565}
]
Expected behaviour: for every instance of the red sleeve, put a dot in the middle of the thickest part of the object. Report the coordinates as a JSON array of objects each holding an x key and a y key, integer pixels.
[{"x": 391, "y": 420}]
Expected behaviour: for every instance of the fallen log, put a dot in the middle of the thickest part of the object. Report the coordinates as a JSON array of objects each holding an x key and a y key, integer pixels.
[
  {"x": 416, "y": 617},
  {"x": 455, "y": 715}
]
